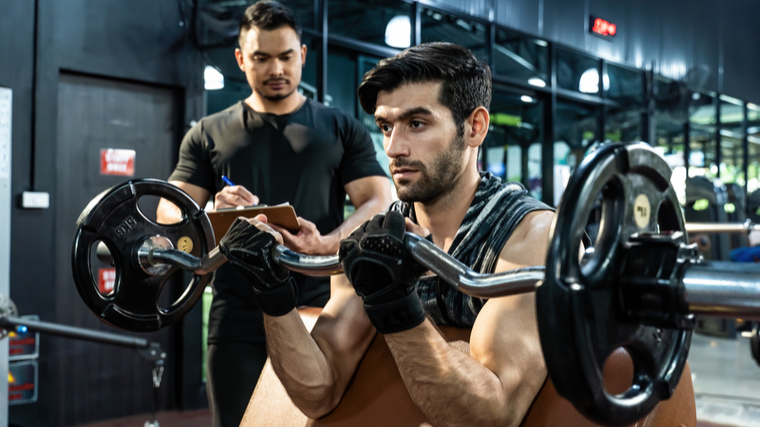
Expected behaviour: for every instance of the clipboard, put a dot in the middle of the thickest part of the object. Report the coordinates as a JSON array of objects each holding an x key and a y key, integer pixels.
[{"x": 280, "y": 215}]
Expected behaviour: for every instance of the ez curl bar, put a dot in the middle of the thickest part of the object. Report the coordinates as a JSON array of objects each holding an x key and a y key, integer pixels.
[{"x": 639, "y": 287}]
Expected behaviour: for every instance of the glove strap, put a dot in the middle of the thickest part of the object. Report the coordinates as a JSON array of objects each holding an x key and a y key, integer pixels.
[
  {"x": 278, "y": 301},
  {"x": 396, "y": 316}
]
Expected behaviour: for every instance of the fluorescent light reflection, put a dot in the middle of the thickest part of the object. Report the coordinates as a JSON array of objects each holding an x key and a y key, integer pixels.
[
  {"x": 398, "y": 32},
  {"x": 213, "y": 79},
  {"x": 590, "y": 81},
  {"x": 537, "y": 82}
]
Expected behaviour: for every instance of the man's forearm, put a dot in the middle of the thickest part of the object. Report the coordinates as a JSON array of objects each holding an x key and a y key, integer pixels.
[
  {"x": 300, "y": 364},
  {"x": 449, "y": 386}
]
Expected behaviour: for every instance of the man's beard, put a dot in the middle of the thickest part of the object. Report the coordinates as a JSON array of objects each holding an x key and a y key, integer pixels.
[
  {"x": 432, "y": 184},
  {"x": 276, "y": 97}
]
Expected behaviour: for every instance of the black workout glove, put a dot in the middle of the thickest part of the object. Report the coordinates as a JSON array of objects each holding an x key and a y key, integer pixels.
[
  {"x": 250, "y": 251},
  {"x": 383, "y": 273}
]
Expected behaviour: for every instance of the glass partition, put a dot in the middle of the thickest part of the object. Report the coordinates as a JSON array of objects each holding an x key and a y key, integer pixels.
[
  {"x": 731, "y": 115},
  {"x": 579, "y": 73},
  {"x": 382, "y": 22},
  {"x": 625, "y": 86},
  {"x": 623, "y": 125},
  {"x": 753, "y": 169},
  {"x": 516, "y": 126},
  {"x": 521, "y": 58},
  {"x": 702, "y": 141},
  {"x": 732, "y": 163},
  {"x": 576, "y": 130},
  {"x": 440, "y": 27}
]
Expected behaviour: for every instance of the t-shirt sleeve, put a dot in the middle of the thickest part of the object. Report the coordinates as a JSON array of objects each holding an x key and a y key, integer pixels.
[
  {"x": 194, "y": 166},
  {"x": 359, "y": 157}
]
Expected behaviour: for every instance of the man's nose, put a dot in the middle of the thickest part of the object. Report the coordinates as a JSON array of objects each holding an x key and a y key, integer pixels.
[
  {"x": 277, "y": 68},
  {"x": 396, "y": 145}
]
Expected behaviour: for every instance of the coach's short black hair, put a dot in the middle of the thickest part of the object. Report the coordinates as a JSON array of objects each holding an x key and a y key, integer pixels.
[
  {"x": 466, "y": 82},
  {"x": 268, "y": 15}
]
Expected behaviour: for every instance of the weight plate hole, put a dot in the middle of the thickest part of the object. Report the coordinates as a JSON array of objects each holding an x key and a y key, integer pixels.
[
  {"x": 602, "y": 226},
  {"x": 148, "y": 205},
  {"x": 102, "y": 267},
  {"x": 618, "y": 372}
]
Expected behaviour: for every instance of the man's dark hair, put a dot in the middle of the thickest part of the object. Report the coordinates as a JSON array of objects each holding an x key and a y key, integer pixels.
[
  {"x": 268, "y": 15},
  {"x": 466, "y": 82}
]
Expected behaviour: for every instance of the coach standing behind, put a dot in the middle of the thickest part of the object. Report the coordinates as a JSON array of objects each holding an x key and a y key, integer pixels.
[{"x": 276, "y": 146}]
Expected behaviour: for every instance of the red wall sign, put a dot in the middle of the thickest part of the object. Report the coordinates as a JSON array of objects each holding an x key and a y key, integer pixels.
[
  {"x": 106, "y": 280},
  {"x": 602, "y": 27},
  {"x": 117, "y": 162}
]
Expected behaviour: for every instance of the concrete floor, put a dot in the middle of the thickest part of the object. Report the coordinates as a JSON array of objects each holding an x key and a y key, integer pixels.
[
  {"x": 200, "y": 418},
  {"x": 726, "y": 381}
]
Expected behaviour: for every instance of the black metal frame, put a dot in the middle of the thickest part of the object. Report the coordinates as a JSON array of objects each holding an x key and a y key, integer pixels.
[{"x": 550, "y": 94}]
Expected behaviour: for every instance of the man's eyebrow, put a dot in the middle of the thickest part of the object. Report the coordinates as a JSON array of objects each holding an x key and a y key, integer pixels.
[
  {"x": 260, "y": 53},
  {"x": 416, "y": 111}
]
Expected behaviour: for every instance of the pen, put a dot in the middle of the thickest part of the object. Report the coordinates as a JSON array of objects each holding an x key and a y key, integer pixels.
[{"x": 227, "y": 181}]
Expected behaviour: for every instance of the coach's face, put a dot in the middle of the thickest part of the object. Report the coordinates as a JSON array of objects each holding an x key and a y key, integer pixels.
[
  {"x": 272, "y": 61},
  {"x": 420, "y": 138}
]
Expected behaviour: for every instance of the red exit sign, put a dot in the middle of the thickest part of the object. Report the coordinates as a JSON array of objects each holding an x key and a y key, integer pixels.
[{"x": 602, "y": 27}]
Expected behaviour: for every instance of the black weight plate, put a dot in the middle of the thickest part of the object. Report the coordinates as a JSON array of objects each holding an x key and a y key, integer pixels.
[
  {"x": 115, "y": 218},
  {"x": 578, "y": 308}
]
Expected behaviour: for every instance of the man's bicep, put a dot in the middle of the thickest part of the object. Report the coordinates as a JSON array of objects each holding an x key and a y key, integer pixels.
[
  {"x": 505, "y": 334},
  {"x": 528, "y": 243},
  {"x": 343, "y": 331},
  {"x": 505, "y": 340},
  {"x": 198, "y": 193}
]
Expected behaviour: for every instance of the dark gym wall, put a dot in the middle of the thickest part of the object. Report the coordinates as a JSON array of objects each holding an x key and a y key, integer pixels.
[
  {"x": 678, "y": 35},
  {"x": 137, "y": 40}
]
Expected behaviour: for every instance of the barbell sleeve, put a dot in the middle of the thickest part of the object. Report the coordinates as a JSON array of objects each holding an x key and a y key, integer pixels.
[
  {"x": 709, "y": 227},
  {"x": 9, "y": 322},
  {"x": 723, "y": 288}
]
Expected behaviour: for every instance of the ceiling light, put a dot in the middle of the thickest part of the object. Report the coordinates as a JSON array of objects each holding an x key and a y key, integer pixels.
[
  {"x": 213, "y": 79},
  {"x": 398, "y": 32},
  {"x": 590, "y": 81},
  {"x": 695, "y": 96},
  {"x": 537, "y": 82},
  {"x": 528, "y": 99}
]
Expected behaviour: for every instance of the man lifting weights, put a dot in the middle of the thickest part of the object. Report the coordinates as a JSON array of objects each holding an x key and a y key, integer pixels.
[{"x": 431, "y": 103}]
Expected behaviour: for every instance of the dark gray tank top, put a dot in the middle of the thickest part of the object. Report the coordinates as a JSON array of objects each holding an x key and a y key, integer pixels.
[{"x": 492, "y": 217}]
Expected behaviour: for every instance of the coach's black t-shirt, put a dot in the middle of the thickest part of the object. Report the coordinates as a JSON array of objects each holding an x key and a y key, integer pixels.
[{"x": 304, "y": 158}]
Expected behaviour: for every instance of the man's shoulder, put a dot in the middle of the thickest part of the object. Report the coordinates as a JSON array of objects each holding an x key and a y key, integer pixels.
[
  {"x": 325, "y": 113},
  {"x": 229, "y": 115},
  {"x": 529, "y": 241}
]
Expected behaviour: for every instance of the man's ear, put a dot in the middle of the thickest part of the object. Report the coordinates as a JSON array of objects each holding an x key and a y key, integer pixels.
[
  {"x": 240, "y": 59},
  {"x": 477, "y": 129},
  {"x": 303, "y": 55}
]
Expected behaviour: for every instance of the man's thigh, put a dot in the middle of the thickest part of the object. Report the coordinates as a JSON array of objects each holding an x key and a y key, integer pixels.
[{"x": 232, "y": 372}]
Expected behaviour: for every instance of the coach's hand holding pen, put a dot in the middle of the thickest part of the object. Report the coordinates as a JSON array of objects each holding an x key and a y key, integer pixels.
[{"x": 233, "y": 196}]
